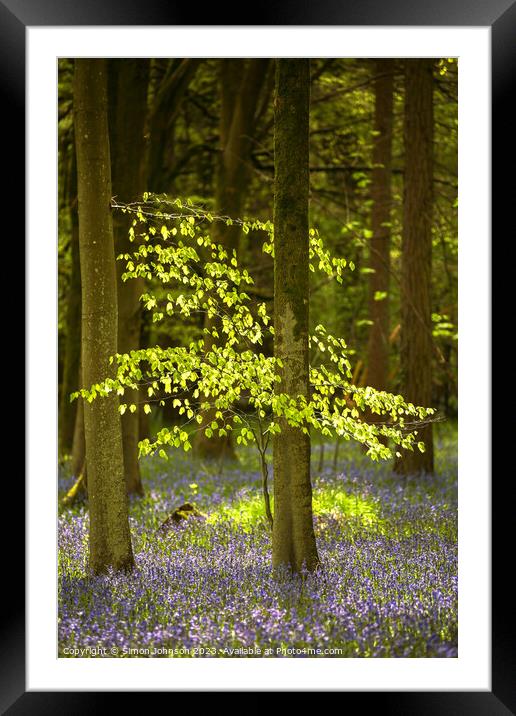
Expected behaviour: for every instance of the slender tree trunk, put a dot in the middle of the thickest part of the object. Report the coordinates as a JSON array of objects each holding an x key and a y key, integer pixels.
[
  {"x": 293, "y": 541},
  {"x": 79, "y": 445},
  {"x": 128, "y": 84},
  {"x": 336, "y": 453},
  {"x": 166, "y": 106},
  {"x": 145, "y": 341},
  {"x": 265, "y": 488},
  {"x": 240, "y": 91},
  {"x": 379, "y": 255},
  {"x": 416, "y": 350},
  {"x": 110, "y": 539},
  {"x": 321, "y": 458},
  {"x": 68, "y": 410}
]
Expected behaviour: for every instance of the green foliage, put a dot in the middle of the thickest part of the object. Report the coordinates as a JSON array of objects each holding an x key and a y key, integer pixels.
[
  {"x": 443, "y": 327},
  {"x": 225, "y": 373}
]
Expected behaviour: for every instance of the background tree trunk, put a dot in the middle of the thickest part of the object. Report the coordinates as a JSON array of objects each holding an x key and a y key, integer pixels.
[
  {"x": 379, "y": 254},
  {"x": 79, "y": 446},
  {"x": 145, "y": 340},
  {"x": 110, "y": 539},
  {"x": 240, "y": 90},
  {"x": 416, "y": 351},
  {"x": 165, "y": 109},
  {"x": 72, "y": 354},
  {"x": 293, "y": 541},
  {"x": 128, "y": 83}
]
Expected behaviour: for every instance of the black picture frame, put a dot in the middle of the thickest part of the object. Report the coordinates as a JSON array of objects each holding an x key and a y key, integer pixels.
[{"x": 500, "y": 15}]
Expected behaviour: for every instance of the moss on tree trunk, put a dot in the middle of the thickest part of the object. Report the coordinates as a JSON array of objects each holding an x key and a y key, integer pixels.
[
  {"x": 293, "y": 533},
  {"x": 416, "y": 352},
  {"x": 110, "y": 540}
]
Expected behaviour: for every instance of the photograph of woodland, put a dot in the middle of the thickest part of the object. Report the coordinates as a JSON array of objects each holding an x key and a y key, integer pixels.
[{"x": 257, "y": 357}]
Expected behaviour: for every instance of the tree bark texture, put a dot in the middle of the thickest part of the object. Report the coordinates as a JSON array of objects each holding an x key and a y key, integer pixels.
[
  {"x": 416, "y": 351},
  {"x": 110, "y": 540},
  {"x": 293, "y": 533}
]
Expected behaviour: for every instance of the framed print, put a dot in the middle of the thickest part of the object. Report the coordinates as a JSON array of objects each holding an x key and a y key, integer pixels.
[{"x": 37, "y": 673}]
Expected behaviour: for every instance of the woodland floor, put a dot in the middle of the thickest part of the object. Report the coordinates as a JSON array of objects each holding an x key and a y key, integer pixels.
[{"x": 387, "y": 586}]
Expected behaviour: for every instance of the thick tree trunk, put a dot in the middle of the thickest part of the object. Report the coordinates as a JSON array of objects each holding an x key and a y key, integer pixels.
[
  {"x": 129, "y": 80},
  {"x": 110, "y": 539},
  {"x": 416, "y": 325},
  {"x": 379, "y": 254},
  {"x": 240, "y": 91},
  {"x": 68, "y": 410},
  {"x": 293, "y": 541}
]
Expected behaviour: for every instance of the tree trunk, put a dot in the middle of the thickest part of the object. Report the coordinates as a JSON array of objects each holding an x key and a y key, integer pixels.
[
  {"x": 110, "y": 539},
  {"x": 166, "y": 106},
  {"x": 240, "y": 91},
  {"x": 145, "y": 341},
  {"x": 416, "y": 349},
  {"x": 79, "y": 446},
  {"x": 129, "y": 80},
  {"x": 379, "y": 255},
  {"x": 293, "y": 541},
  {"x": 68, "y": 410}
]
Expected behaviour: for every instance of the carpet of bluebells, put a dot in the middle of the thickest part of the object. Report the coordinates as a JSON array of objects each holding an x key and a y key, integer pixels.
[{"x": 387, "y": 586}]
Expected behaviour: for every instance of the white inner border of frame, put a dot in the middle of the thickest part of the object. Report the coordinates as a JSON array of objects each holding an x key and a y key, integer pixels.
[{"x": 471, "y": 670}]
